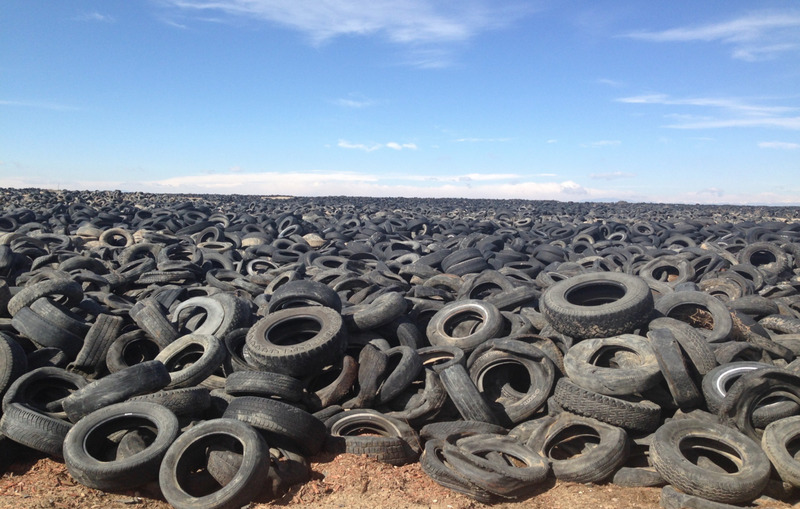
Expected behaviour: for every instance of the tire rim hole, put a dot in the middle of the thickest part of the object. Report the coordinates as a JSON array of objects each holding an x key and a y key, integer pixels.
[
  {"x": 293, "y": 331},
  {"x": 191, "y": 471},
  {"x": 464, "y": 324},
  {"x": 102, "y": 442},
  {"x": 711, "y": 454},
  {"x": 696, "y": 315},
  {"x": 571, "y": 442},
  {"x": 595, "y": 294},
  {"x": 762, "y": 257},
  {"x": 616, "y": 357}
]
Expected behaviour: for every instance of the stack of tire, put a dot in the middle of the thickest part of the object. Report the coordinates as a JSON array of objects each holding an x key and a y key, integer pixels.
[{"x": 200, "y": 345}]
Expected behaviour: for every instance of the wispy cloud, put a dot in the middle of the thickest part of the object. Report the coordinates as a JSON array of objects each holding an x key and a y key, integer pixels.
[
  {"x": 781, "y": 145},
  {"x": 482, "y": 140},
  {"x": 610, "y": 82},
  {"x": 39, "y": 105},
  {"x": 96, "y": 17},
  {"x": 738, "y": 112},
  {"x": 614, "y": 175},
  {"x": 354, "y": 101},
  {"x": 424, "y": 26},
  {"x": 602, "y": 143},
  {"x": 376, "y": 146},
  {"x": 754, "y": 36}
]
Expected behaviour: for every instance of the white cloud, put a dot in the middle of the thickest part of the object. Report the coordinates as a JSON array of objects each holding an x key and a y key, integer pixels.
[
  {"x": 783, "y": 145},
  {"x": 482, "y": 140},
  {"x": 602, "y": 143},
  {"x": 95, "y": 16},
  {"x": 39, "y": 105},
  {"x": 429, "y": 29},
  {"x": 614, "y": 175},
  {"x": 755, "y": 36},
  {"x": 610, "y": 83},
  {"x": 356, "y": 102},
  {"x": 493, "y": 186},
  {"x": 370, "y": 148},
  {"x": 740, "y": 113}
]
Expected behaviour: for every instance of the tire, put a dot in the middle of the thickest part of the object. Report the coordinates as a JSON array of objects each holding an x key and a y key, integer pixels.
[
  {"x": 91, "y": 359},
  {"x": 188, "y": 452},
  {"x": 187, "y": 401},
  {"x": 150, "y": 317},
  {"x": 676, "y": 439},
  {"x": 597, "y": 304},
  {"x": 778, "y": 437},
  {"x": 673, "y": 367},
  {"x": 465, "y": 324},
  {"x": 278, "y": 418},
  {"x": 516, "y": 378},
  {"x": 693, "y": 344},
  {"x": 139, "y": 379},
  {"x": 131, "y": 348},
  {"x": 13, "y": 362},
  {"x": 191, "y": 359},
  {"x": 69, "y": 290},
  {"x": 444, "y": 430},
  {"x": 631, "y": 415},
  {"x": 751, "y": 388},
  {"x": 44, "y": 333},
  {"x": 518, "y": 469},
  {"x": 719, "y": 380},
  {"x": 329, "y": 386},
  {"x": 264, "y": 384},
  {"x": 403, "y": 366},
  {"x": 90, "y": 450},
  {"x": 381, "y": 311},
  {"x": 44, "y": 390},
  {"x": 633, "y": 368},
  {"x": 465, "y": 395},
  {"x": 33, "y": 429},
  {"x": 304, "y": 292},
  {"x": 433, "y": 464},
  {"x": 699, "y": 310},
  {"x": 297, "y": 341},
  {"x": 374, "y": 434},
  {"x": 566, "y": 442}
]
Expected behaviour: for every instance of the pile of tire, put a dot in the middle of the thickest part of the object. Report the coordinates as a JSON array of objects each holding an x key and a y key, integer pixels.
[{"x": 204, "y": 344}]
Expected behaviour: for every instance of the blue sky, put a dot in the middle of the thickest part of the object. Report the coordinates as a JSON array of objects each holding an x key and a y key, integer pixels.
[{"x": 689, "y": 102}]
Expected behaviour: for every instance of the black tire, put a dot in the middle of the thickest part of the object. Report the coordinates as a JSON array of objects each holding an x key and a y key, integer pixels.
[
  {"x": 465, "y": 395},
  {"x": 403, "y": 366},
  {"x": 44, "y": 333},
  {"x": 331, "y": 384},
  {"x": 90, "y": 451},
  {"x": 264, "y": 384},
  {"x": 278, "y": 418},
  {"x": 381, "y": 311},
  {"x": 750, "y": 389},
  {"x": 616, "y": 366},
  {"x": 632, "y": 415},
  {"x": 191, "y": 359},
  {"x": 131, "y": 348},
  {"x": 187, "y": 401},
  {"x": 443, "y": 430},
  {"x": 33, "y": 429},
  {"x": 91, "y": 359},
  {"x": 138, "y": 379},
  {"x": 515, "y": 378},
  {"x": 69, "y": 290},
  {"x": 465, "y": 324},
  {"x": 369, "y": 432},
  {"x": 188, "y": 452},
  {"x": 304, "y": 292},
  {"x": 150, "y": 317},
  {"x": 720, "y": 379},
  {"x": 13, "y": 362},
  {"x": 699, "y": 310},
  {"x": 44, "y": 390},
  {"x": 597, "y": 304},
  {"x": 433, "y": 463},
  {"x": 693, "y": 344},
  {"x": 673, "y": 367},
  {"x": 776, "y": 442},
  {"x": 297, "y": 341},
  {"x": 677, "y": 443},
  {"x": 517, "y": 470},
  {"x": 580, "y": 449}
]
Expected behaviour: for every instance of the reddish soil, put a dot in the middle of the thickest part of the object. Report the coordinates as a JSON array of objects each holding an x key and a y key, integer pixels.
[{"x": 345, "y": 481}]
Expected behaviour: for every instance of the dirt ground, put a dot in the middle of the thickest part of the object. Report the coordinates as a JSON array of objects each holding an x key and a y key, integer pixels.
[{"x": 345, "y": 481}]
